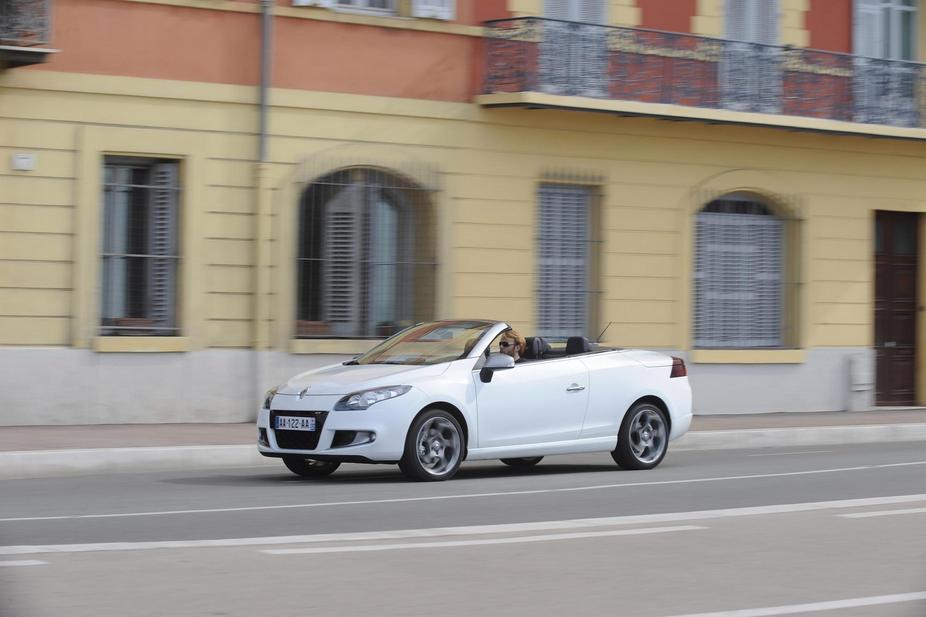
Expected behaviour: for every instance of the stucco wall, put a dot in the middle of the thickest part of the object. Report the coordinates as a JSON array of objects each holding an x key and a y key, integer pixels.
[{"x": 653, "y": 176}]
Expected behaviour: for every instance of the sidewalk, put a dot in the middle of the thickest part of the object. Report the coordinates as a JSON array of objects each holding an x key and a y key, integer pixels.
[{"x": 37, "y": 451}]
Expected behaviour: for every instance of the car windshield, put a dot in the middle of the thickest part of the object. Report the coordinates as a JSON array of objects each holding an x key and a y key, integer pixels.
[{"x": 428, "y": 343}]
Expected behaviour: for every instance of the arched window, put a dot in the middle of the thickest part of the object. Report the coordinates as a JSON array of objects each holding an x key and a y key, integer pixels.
[
  {"x": 366, "y": 255},
  {"x": 739, "y": 279}
]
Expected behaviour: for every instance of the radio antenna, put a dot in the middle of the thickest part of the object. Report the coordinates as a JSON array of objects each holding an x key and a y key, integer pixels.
[{"x": 598, "y": 340}]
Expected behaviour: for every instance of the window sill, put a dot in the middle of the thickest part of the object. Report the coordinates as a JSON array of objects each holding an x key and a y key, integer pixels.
[
  {"x": 748, "y": 356},
  {"x": 334, "y": 346},
  {"x": 379, "y": 19},
  {"x": 141, "y": 344}
]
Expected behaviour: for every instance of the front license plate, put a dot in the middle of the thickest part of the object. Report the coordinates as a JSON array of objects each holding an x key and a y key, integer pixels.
[{"x": 295, "y": 423}]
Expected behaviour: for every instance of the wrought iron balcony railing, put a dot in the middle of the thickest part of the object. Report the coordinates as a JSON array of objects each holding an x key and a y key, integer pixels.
[
  {"x": 24, "y": 23},
  {"x": 531, "y": 54}
]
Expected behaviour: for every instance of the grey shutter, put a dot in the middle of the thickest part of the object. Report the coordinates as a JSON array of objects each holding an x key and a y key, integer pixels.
[
  {"x": 115, "y": 233},
  {"x": 322, "y": 3},
  {"x": 738, "y": 280},
  {"x": 556, "y": 9},
  {"x": 885, "y": 90},
  {"x": 591, "y": 11},
  {"x": 750, "y": 73},
  {"x": 562, "y": 265},
  {"x": 574, "y": 55},
  {"x": 436, "y": 9},
  {"x": 386, "y": 264},
  {"x": 343, "y": 251},
  {"x": 162, "y": 246}
]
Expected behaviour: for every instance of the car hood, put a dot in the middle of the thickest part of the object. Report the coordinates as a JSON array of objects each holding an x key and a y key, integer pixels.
[{"x": 343, "y": 379}]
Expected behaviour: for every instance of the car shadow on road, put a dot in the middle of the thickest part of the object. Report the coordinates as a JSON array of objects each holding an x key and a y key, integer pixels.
[{"x": 355, "y": 475}]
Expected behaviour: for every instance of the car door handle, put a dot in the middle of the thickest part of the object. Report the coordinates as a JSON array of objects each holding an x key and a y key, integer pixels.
[{"x": 575, "y": 388}]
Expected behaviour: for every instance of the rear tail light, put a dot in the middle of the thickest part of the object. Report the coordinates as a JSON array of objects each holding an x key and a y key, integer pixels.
[{"x": 678, "y": 368}]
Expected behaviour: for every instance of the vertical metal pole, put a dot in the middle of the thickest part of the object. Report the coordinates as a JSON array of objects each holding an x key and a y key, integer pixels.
[
  {"x": 266, "y": 46},
  {"x": 262, "y": 209}
]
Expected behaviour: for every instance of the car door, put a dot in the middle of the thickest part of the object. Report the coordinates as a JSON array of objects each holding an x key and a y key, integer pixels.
[{"x": 534, "y": 402}]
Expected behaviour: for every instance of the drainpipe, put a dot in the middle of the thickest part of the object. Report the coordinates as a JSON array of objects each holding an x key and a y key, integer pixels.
[
  {"x": 261, "y": 337},
  {"x": 266, "y": 48}
]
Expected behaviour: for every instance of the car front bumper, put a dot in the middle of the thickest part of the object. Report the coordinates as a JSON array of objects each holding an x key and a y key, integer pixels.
[{"x": 374, "y": 435}]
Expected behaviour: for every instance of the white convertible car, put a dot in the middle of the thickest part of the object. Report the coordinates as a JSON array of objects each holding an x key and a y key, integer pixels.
[{"x": 435, "y": 395}]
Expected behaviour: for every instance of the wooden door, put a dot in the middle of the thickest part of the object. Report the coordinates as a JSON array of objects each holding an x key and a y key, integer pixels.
[{"x": 896, "y": 249}]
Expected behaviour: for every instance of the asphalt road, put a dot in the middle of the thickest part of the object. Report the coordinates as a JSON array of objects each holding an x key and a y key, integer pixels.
[{"x": 834, "y": 530}]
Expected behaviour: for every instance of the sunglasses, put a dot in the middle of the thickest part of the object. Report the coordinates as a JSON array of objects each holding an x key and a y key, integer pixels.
[{"x": 506, "y": 344}]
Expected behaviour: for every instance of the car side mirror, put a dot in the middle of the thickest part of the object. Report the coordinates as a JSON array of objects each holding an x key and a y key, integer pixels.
[{"x": 496, "y": 362}]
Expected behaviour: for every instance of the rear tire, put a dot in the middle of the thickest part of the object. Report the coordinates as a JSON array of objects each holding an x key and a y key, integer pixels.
[
  {"x": 433, "y": 447},
  {"x": 308, "y": 467},
  {"x": 643, "y": 438},
  {"x": 522, "y": 463}
]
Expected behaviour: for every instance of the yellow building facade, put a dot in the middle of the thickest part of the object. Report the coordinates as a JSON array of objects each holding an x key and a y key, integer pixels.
[{"x": 478, "y": 165}]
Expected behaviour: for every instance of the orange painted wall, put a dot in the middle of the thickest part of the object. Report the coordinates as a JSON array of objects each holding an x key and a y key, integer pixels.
[
  {"x": 315, "y": 55},
  {"x": 114, "y": 37},
  {"x": 669, "y": 15},
  {"x": 830, "y": 25},
  {"x": 484, "y": 10},
  {"x": 158, "y": 41}
]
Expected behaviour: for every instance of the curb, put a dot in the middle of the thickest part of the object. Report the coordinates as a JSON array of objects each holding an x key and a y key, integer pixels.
[
  {"x": 799, "y": 436},
  {"x": 52, "y": 463}
]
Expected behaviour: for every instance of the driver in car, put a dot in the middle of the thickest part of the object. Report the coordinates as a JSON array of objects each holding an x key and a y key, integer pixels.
[{"x": 512, "y": 344}]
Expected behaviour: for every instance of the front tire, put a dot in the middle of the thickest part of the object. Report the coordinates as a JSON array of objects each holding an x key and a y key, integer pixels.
[
  {"x": 643, "y": 438},
  {"x": 522, "y": 463},
  {"x": 433, "y": 447},
  {"x": 310, "y": 468}
]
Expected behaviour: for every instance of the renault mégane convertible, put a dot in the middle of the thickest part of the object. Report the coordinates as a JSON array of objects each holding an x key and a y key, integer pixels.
[{"x": 435, "y": 394}]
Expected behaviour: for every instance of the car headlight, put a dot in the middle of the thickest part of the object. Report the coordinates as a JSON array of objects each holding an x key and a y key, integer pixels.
[
  {"x": 365, "y": 398},
  {"x": 269, "y": 396}
]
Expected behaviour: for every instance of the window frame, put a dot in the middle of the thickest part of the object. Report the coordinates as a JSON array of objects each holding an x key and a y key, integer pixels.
[
  {"x": 789, "y": 257},
  {"x": 888, "y": 14},
  {"x": 411, "y": 245},
  {"x": 108, "y": 256},
  {"x": 94, "y": 144},
  {"x": 363, "y": 7},
  {"x": 592, "y": 282}
]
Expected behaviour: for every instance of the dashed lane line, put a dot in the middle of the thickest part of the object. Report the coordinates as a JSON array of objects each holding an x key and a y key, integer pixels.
[
  {"x": 550, "y": 537},
  {"x": 469, "y": 530},
  {"x": 884, "y": 513},
  {"x": 833, "y": 605},
  {"x": 21, "y": 563}
]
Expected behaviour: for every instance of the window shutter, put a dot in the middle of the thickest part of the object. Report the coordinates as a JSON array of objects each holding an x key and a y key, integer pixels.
[
  {"x": 868, "y": 29},
  {"x": 434, "y": 9},
  {"x": 343, "y": 246},
  {"x": 765, "y": 22},
  {"x": 562, "y": 249},
  {"x": 115, "y": 234},
  {"x": 322, "y": 3},
  {"x": 591, "y": 11},
  {"x": 162, "y": 245},
  {"x": 556, "y": 9},
  {"x": 737, "y": 20},
  {"x": 738, "y": 280}
]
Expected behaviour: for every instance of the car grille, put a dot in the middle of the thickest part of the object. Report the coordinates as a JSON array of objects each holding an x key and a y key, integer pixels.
[{"x": 299, "y": 440}]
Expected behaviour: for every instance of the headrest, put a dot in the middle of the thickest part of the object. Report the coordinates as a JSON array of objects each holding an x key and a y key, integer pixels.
[
  {"x": 533, "y": 350},
  {"x": 577, "y": 344}
]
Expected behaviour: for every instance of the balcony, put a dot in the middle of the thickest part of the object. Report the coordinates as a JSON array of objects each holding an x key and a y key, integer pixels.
[
  {"x": 24, "y": 31},
  {"x": 533, "y": 62}
]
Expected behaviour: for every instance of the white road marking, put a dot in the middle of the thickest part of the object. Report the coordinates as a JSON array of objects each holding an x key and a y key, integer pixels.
[
  {"x": 453, "y": 543},
  {"x": 400, "y": 534},
  {"x": 884, "y": 513},
  {"x": 792, "y": 453},
  {"x": 329, "y": 504},
  {"x": 815, "y": 606},
  {"x": 22, "y": 562}
]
